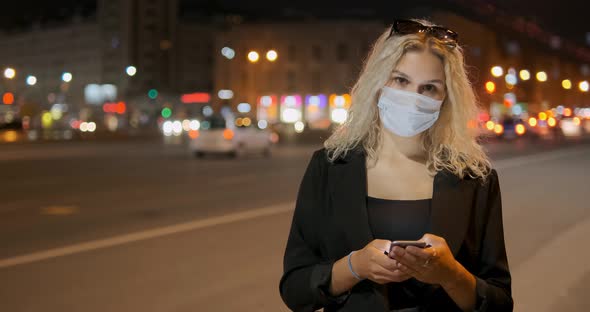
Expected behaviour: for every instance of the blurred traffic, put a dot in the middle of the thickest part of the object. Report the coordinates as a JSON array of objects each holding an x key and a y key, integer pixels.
[{"x": 559, "y": 122}]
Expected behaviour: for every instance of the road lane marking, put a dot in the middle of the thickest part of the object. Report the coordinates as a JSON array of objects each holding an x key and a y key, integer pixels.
[
  {"x": 234, "y": 217},
  {"x": 147, "y": 234},
  {"x": 59, "y": 210}
]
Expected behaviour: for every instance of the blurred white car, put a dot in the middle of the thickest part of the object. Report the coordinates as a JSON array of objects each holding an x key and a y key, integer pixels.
[
  {"x": 571, "y": 126},
  {"x": 216, "y": 135}
]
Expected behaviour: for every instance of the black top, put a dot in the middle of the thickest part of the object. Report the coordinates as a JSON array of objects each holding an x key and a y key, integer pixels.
[{"x": 400, "y": 220}]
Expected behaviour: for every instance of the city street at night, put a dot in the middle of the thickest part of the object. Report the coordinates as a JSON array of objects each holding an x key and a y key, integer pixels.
[
  {"x": 152, "y": 153},
  {"x": 144, "y": 226}
]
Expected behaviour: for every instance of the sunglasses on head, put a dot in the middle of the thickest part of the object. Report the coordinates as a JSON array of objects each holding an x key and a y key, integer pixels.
[{"x": 408, "y": 27}]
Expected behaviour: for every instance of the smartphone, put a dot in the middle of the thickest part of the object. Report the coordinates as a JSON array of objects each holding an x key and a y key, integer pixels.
[{"x": 405, "y": 244}]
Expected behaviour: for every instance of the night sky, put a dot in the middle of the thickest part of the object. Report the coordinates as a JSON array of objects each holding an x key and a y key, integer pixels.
[{"x": 565, "y": 17}]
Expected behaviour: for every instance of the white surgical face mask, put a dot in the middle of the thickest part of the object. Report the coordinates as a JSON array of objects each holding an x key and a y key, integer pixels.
[{"x": 407, "y": 113}]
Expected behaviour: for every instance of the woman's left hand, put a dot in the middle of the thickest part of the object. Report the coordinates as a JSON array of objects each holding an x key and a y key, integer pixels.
[{"x": 432, "y": 265}]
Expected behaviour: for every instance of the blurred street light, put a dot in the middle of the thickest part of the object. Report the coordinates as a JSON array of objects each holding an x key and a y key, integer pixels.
[
  {"x": 8, "y": 98},
  {"x": 339, "y": 115},
  {"x": 31, "y": 80},
  {"x": 542, "y": 116},
  {"x": 225, "y": 94},
  {"x": 510, "y": 79},
  {"x": 271, "y": 55},
  {"x": 66, "y": 77},
  {"x": 153, "y": 94},
  {"x": 253, "y": 56},
  {"x": 497, "y": 71},
  {"x": 490, "y": 125},
  {"x": 498, "y": 129},
  {"x": 566, "y": 84},
  {"x": 207, "y": 111},
  {"x": 525, "y": 74},
  {"x": 542, "y": 76},
  {"x": 490, "y": 87},
  {"x": 533, "y": 122},
  {"x": 131, "y": 71},
  {"x": 584, "y": 86},
  {"x": 166, "y": 112},
  {"x": 244, "y": 108},
  {"x": 299, "y": 126},
  {"x": 9, "y": 73},
  {"x": 228, "y": 52}
]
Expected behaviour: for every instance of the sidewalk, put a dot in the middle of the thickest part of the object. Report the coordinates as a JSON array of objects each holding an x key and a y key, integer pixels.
[{"x": 541, "y": 279}]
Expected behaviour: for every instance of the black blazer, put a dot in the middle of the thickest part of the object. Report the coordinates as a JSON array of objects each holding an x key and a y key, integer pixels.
[{"x": 330, "y": 221}]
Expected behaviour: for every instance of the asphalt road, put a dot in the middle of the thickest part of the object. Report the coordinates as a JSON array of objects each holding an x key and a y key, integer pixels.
[{"x": 143, "y": 226}]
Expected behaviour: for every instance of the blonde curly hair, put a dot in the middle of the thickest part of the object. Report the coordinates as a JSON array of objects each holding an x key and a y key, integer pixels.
[{"x": 450, "y": 143}]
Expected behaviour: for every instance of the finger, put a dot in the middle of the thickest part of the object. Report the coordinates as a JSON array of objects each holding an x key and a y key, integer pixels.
[
  {"x": 402, "y": 254},
  {"x": 429, "y": 236},
  {"x": 414, "y": 267},
  {"x": 383, "y": 273},
  {"x": 430, "y": 239},
  {"x": 400, "y": 276},
  {"x": 390, "y": 265},
  {"x": 409, "y": 260},
  {"x": 408, "y": 270},
  {"x": 434, "y": 252},
  {"x": 386, "y": 262},
  {"x": 381, "y": 245},
  {"x": 422, "y": 254}
]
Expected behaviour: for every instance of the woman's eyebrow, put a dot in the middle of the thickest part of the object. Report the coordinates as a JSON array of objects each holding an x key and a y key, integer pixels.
[
  {"x": 404, "y": 75},
  {"x": 401, "y": 74},
  {"x": 435, "y": 81}
]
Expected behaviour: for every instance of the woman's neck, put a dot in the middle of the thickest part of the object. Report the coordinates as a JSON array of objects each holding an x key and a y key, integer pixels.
[{"x": 395, "y": 148}]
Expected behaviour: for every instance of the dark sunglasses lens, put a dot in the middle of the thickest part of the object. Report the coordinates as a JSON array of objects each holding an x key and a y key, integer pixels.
[
  {"x": 444, "y": 34},
  {"x": 408, "y": 27}
]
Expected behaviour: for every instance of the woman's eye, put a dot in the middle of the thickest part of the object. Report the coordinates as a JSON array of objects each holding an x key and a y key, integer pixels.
[
  {"x": 429, "y": 88},
  {"x": 400, "y": 80}
]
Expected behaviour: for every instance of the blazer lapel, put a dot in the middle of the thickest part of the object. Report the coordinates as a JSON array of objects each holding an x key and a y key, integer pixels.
[
  {"x": 452, "y": 200},
  {"x": 348, "y": 190}
]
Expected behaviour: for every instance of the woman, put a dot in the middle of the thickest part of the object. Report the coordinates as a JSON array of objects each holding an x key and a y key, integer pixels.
[{"x": 404, "y": 166}]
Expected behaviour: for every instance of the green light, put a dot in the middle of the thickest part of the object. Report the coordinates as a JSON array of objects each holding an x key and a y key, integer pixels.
[
  {"x": 153, "y": 94},
  {"x": 166, "y": 112}
]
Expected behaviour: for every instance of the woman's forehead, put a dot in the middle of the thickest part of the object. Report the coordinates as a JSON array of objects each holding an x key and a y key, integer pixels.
[{"x": 421, "y": 66}]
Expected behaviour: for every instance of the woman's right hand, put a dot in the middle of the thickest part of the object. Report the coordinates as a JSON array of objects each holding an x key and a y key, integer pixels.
[{"x": 372, "y": 263}]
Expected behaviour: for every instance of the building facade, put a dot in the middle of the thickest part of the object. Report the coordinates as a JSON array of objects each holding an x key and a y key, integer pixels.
[
  {"x": 282, "y": 71},
  {"x": 134, "y": 46},
  {"x": 315, "y": 67},
  {"x": 318, "y": 62}
]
